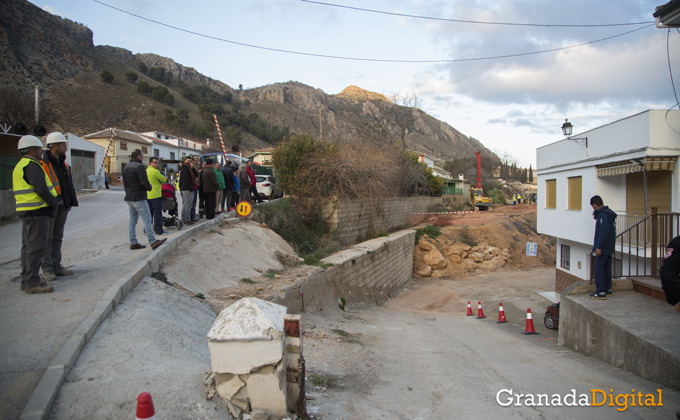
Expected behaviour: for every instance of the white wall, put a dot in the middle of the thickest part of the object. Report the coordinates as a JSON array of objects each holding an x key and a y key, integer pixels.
[
  {"x": 580, "y": 255},
  {"x": 79, "y": 143}
]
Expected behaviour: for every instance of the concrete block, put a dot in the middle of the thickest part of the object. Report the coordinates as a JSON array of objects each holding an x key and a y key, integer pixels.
[
  {"x": 113, "y": 294},
  {"x": 246, "y": 336},
  {"x": 268, "y": 392},
  {"x": 89, "y": 325},
  {"x": 38, "y": 406},
  {"x": 70, "y": 351},
  {"x": 103, "y": 307},
  {"x": 228, "y": 385},
  {"x": 126, "y": 286}
]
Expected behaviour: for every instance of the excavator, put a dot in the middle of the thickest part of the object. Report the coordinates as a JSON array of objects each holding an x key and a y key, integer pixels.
[{"x": 477, "y": 197}]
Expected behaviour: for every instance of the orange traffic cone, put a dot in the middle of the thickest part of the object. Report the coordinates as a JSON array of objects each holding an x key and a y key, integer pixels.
[
  {"x": 469, "y": 312},
  {"x": 145, "y": 409},
  {"x": 529, "y": 329},
  {"x": 480, "y": 312},
  {"x": 501, "y": 314}
]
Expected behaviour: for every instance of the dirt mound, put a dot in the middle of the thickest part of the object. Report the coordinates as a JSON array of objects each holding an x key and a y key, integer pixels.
[
  {"x": 509, "y": 229},
  {"x": 431, "y": 299}
]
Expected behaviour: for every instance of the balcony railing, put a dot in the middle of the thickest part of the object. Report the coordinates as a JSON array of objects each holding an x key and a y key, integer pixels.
[{"x": 641, "y": 243}]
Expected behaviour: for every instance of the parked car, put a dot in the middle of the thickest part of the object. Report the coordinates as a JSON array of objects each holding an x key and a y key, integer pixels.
[
  {"x": 267, "y": 188},
  {"x": 552, "y": 316}
]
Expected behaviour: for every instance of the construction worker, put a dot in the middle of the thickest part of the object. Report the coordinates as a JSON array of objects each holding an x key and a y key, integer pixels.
[
  {"x": 54, "y": 164},
  {"x": 36, "y": 201}
]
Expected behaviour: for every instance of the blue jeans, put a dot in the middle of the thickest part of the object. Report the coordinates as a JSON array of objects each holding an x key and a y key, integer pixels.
[
  {"x": 140, "y": 209},
  {"x": 156, "y": 207},
  {"x": 603, "y": 273}
]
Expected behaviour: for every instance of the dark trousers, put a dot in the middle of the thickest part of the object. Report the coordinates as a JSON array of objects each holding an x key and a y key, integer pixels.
[
  {"x": 34, "y": 233},
  {"x": 253, "y": 191},
  {"x": 52, "y": 257},
  {"x": 603, "y": 273},
  {"x": 210, "y": 198},
  {"x": 226, "y": 199},
  {"x": 156, "y": 207},
  {"x": 234, "y": 199}
]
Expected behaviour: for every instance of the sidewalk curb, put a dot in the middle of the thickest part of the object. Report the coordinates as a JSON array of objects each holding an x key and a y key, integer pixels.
[{"x": 42, "y": 398}]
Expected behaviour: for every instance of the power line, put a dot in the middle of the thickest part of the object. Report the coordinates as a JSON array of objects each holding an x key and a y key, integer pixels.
[
  {"x": 478, "y": 22},
  {"x": 378, "y": 60}
]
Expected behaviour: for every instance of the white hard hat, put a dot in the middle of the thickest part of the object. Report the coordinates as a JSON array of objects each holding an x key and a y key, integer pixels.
[
  {"x": 55, "y": 137},
  {"x": 29, "y": 141}
]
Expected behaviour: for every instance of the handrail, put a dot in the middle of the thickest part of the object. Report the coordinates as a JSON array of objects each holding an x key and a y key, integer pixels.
[{"x": 640, "y": 246}]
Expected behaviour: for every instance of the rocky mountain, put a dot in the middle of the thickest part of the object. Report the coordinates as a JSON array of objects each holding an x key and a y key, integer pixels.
[{"x": 40, "y": 49}]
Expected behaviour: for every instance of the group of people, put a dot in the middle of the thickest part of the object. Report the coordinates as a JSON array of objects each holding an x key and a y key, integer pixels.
[
  {"x": 213, "y": 187},
  {"x": 44, "y": 195}
]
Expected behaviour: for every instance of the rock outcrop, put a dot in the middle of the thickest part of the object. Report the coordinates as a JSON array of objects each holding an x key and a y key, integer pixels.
[{"x": 456, "y": 258}]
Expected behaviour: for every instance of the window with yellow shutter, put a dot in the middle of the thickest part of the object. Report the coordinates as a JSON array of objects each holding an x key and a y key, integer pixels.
[
  {"x": 574, "y": 193},
  {"x": 550, "y": 193}
]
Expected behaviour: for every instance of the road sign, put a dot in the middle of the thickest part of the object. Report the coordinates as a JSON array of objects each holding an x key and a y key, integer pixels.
[
  {"x": 532, "y": 247},
  {"x": 244, "y": 208}
]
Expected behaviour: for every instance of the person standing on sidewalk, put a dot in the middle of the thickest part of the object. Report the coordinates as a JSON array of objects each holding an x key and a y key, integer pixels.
[
  {"x": 59, "y": 172},
  {"x": 136, "y": 185},
  {"x": 36, "y": 202},
  {"x": 220, "y": 189},
  {"x": 154, "y": 197},
  {"x": 253, "y": 181},
  {"x": 244, "y": 184},
  {"x": 670, "y": 273},
  {"x": 186, "y": 187},
  {"x": 210, "y": 187},
  {"x": 228, "y": 175},
  {"x": 603, "y": 247}
]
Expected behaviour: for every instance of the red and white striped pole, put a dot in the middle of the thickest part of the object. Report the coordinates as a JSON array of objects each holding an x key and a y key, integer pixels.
[
  {"x": 219, "y": 133},
  {"x": 108, "y": 148}
]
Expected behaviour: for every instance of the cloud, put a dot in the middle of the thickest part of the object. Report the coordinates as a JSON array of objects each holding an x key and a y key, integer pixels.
[{"x": 55, "y": 12}]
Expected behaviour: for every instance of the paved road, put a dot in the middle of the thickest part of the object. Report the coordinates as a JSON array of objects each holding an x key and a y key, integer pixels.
[{"x": 34, "y": 327}]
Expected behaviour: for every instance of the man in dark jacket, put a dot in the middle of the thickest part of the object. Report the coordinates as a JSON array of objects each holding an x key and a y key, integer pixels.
[
  {"x": 210, "y": 186},
  {"x": 54, "y": 164},
  {"x": 136, "y": 185},
  {"x": 603, "y": 247},
  {"x": 36, "y": 201},
  {"x": 670, "y": 273},
  {"x": 228, "y": 175},
  {"x": 186, "y": 187}
]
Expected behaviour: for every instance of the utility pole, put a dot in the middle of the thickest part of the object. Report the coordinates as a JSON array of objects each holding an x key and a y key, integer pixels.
[{"x": 37, "y": 104}]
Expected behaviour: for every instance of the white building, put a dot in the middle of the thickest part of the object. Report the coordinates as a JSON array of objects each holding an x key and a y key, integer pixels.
[
  {"x": 614, "y": 161},
  {"x": 167, "y": 146},
  {"x": 85, "y": 159}
]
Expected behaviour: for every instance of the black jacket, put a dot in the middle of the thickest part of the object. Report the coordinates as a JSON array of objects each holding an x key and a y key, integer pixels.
[
  {"x": 185, "y": 182},
  {"x": 228, "y": 174},
  {"x": 135, "y": 181},
  {"x": 670, "y": 272},
  {"x": 68, "y": 192},
  {"x": 605, "y": 230}
]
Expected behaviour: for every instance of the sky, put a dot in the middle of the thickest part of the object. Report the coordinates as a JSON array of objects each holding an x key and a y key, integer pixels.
[{"x": 505, "y": 72}]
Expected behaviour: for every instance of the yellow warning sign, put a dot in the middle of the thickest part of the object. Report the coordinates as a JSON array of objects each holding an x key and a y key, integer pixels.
[{"x": 244, "y": 208}]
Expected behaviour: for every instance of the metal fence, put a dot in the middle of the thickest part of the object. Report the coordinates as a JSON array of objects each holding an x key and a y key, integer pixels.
[{"x": 641, "y": 246}]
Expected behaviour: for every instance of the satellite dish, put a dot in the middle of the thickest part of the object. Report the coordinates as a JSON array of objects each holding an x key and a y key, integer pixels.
[
  {"x": 20, "y": 129},
  {"x": 39, "y": 130}
]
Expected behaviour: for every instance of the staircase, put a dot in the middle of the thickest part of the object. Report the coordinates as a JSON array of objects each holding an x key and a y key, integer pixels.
[{"x": 640, "y": 249}]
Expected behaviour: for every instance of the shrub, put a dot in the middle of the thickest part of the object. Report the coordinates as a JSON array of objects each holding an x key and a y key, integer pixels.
[
  {"x": 131, "y": 77},
  {"x": 431, "y": 231},
  {"x": 106, "y": 76},
  {"x": 497, "y": 195},
  {"x": 143, "y": 88}
]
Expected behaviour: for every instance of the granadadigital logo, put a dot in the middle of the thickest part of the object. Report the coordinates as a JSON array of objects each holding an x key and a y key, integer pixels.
[{"x": 596, "y": 398}]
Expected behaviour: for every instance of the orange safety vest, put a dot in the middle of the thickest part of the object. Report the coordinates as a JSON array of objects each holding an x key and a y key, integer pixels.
[{"x": 49, "y": 170}]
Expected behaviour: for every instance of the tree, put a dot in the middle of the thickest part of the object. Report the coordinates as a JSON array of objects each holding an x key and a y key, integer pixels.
[
  {"x": 131, "y": 77},
  {"x": 143, "y": 88},
  {"x": 531, "y": 175},
  {"x": 143, "y": 68},
  {"x": 106, "y": 76},
  {"x": 18, "y": 106}
]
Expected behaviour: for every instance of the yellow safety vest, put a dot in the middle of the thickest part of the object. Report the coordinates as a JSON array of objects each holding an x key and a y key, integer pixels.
[{"x": 24, "y": 193}]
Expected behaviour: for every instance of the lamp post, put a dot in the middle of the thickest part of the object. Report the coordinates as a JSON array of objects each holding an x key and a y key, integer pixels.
[{"x": 567, "y": 128}]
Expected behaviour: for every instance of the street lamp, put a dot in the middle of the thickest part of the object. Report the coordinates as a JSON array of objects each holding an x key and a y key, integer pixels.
[{"x": 566, "y": 130}]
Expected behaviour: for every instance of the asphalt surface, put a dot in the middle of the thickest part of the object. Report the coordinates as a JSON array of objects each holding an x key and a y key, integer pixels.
[{"x": 35, "y": 327}]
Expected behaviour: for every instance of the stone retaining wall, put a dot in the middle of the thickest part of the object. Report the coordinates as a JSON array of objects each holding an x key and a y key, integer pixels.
[
  {"x": 370, "y": 272},
  {"x": 357, "y": 219}
]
